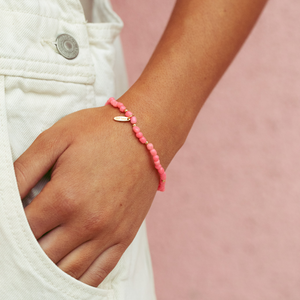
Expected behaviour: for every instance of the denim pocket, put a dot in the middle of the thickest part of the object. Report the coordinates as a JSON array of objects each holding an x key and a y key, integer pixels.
[{"x": 26, "y": 271}]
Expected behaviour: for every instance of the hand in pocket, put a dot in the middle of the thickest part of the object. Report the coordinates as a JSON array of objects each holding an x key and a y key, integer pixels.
[{"x": 102, "y": 185}]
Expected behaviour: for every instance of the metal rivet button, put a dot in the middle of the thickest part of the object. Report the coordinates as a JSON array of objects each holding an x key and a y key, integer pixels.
[{"x": 67, "y": 46}]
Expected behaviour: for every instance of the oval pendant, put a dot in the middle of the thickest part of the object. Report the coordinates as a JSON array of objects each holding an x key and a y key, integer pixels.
[{"x": 121, "y": 119}]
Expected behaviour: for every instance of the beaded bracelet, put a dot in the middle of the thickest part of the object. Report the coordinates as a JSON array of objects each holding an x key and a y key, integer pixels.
[{"x": 130, "y": 117}]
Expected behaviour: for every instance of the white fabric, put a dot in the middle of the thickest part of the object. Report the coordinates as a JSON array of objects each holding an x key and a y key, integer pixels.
[{"x": 37, "y": 88}]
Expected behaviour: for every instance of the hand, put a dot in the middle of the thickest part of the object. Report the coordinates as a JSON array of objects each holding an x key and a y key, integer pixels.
[{"x": 102, "y": 185}]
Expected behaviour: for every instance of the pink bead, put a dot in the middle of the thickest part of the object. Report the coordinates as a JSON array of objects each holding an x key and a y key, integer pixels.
[
  {"x": 114, "y": 103},
  {"x": 119, "y": 104},
  {"x": 155, "y": 157},
  {"x": 161, "y": 170},
  {"x": 128, "y": 113},
  {"x": 162, "y": 184},
  {"x": 139, "y": 135},
  {"x": 162, "y": 188},
  {"x": 153, "y": 152},
  {"x": 163, "y": 176},
  {"x": 122, "y": 108},
  {"x": 136, "y": 129},
  {"x": 143, "y": 140},
  {"x": 150, "y": 146},
  {"x": 157, "y": 162},
  {"x": 109, "y": 100},
  {"x": 133, "y": 120},
  {"x": 158, "y": 166}
]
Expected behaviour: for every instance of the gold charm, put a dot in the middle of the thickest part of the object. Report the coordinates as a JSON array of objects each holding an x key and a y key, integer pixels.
[{"x": 121, "y": 119}]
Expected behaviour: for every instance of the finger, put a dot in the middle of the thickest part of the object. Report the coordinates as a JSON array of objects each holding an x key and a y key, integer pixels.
[
  {"x": 61, "y": 241},
  {"x": 43, "y": 213},
  {"x": 39, "y": 158},
  {"x": 102, "y": 266},
  {"x": 80, "y": 259}
]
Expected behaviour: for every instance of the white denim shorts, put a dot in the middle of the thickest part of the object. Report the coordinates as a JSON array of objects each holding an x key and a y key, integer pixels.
[{"x": 39, "y": 86}]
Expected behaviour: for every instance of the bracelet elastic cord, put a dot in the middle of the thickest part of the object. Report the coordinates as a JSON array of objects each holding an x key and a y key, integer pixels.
[{"x": 130, "y": 117}]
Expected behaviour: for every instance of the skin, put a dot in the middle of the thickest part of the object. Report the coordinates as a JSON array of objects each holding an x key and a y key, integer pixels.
[{"x": 91, "y": 210}]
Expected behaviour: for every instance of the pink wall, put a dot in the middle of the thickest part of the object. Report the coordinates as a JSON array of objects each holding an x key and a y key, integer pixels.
[{"x": 228, "y": 227}]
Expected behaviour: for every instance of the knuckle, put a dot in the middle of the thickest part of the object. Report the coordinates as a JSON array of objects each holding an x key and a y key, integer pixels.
[
  {"x": 126, "y": 236},
  {"x": 95, "y": 224},
  {"x": 104, "y": 220},
  {"x": 65, "y": 200}
]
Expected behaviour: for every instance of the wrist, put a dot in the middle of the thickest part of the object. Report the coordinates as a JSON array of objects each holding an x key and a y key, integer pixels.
[
  {"x": 129, "y": 116},
  {"x": 154, "y": 123}
]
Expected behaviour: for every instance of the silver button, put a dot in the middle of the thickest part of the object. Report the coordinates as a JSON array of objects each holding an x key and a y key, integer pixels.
[{"x": 67, "y": 46}]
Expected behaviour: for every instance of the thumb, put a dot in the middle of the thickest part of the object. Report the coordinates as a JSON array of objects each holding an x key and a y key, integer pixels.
[{"x": 37, "y": 160}]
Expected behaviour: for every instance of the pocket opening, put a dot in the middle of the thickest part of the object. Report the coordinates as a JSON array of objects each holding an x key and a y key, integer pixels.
[{"x": 24, "y": 248}]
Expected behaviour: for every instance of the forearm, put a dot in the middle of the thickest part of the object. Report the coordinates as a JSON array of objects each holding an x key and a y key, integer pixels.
[{"x": 199, "y": 43}]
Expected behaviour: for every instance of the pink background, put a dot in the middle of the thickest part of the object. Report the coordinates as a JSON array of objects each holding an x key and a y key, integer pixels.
[{"x": 227, "y": 228}]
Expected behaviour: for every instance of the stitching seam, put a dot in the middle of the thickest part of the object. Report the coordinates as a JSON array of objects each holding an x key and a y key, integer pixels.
[
  {"x": 45, "y": 62},
  {"x": 36, "y": 72}
]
